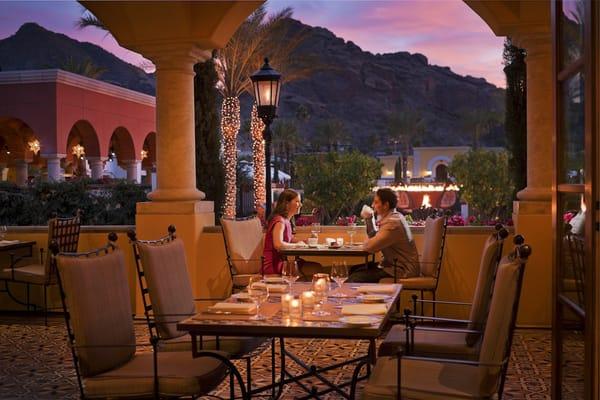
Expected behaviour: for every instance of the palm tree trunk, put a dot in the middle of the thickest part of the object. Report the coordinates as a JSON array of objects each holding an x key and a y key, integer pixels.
[
  {"x": 230, "y": 126},
  {"x": 257, "y": 128}
]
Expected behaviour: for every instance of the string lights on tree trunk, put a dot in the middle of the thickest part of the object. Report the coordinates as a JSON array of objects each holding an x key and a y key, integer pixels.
[
  {"x": 257, "y": 128},
  {"x": 230, "y": 126}
]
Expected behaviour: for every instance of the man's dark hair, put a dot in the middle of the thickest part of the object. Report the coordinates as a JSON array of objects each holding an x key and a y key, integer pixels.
[{"x": 387, "y": 195}]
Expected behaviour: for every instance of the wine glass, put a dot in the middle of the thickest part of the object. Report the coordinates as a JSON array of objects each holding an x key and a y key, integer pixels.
[
  {"x": 351, "y": 231},
  {"x": 320, "y": 285},
  {"x": 290, "y": 272},
  {"x": 339, "y": 273},
  {"x": 258, "y": 292},
  {"x": 315, "y": 229},
  {"x": 3, "y": 230}
]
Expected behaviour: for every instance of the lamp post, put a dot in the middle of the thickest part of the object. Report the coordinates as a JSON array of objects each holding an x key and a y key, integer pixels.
[{"x": 267, "y": 85}]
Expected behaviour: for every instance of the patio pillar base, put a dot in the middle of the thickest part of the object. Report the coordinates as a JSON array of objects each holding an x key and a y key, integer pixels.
[
  {"x": 21, "y": 172},
  {"x": 97, "y": 167},
  {"x": 533, "y": 220},
  {"x": 53, "y": 166},
  {"x": 189, "y": 218}
]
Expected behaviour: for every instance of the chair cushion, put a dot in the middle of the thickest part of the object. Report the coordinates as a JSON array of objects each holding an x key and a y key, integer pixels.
[
  {"x": 99, "y": 303},
  {"x": 427, "y": 380},
  {"x": 179, "y": 375},
  {"x": 414, "y": 283},
  {"x": 166, "y": 272},
  {"x": 235, "y": 346},
  {"x": 441, "y": 344},
  {"x": 244, "y": 241},
  {"x": 34, "y": 273},
  {"x": 434, "y": 231},
  {"x": 483, "y": 289}
]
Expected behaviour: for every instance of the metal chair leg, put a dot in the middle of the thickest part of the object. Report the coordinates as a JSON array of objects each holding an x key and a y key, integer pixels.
[
  {"x": 249, "y": 373},
  {"x": 45, "y": 305},
  {"x": 422, "y": 304},
  {"x": 28, "y": 302},
  {"x": 433, "y": 295}
]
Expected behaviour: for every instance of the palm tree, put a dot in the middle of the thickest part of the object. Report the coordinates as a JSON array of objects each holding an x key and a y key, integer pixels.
[
  {"x": 479, "y": 122},
  {"x": 402, "y": 128},
  {"x": 86, "y": 68},
  {"x": 285, "y": 142},
  {"x": 330, "y": 134}
]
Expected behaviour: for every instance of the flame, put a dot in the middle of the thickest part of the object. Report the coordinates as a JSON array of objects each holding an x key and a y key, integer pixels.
[
  {"x": 425, "y": 203},
  {"x": 422, "y": 188}
]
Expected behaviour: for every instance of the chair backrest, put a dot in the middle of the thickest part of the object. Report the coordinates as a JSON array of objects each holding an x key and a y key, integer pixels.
[
  {"x": 575, "y": 258},
  {"x": 162, "y": 269},
  {"x": 433, "y": 247},
  {"x": 500, "y": 325},
  {"x": 244, "y": 243},
  {"x": 96, "y": 300},
  {"x": 65, "y": 232},
  {"x": 490, "y": 257}
]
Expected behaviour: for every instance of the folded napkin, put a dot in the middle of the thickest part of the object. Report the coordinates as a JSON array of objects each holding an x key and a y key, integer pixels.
[
  {"x": 277, "y": 288},
  {"x": 233, "y": 308},
  {"x": 364, "y": 309},
  {"x": 7, "y": 242},
  {"x": 380, "y": 289}
]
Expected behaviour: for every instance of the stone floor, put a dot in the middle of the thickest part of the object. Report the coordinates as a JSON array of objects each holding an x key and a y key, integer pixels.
[{"x": 35, "y": 362}]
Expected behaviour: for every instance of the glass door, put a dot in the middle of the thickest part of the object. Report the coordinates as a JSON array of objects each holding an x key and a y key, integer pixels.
[{"x": 574, "y": 201}]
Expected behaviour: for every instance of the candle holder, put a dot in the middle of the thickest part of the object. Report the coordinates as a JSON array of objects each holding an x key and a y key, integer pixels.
[
  {"x": 285, "y": 303},
  {"x": 320, "y": 286},
  {"x": 295, "y": 309}
]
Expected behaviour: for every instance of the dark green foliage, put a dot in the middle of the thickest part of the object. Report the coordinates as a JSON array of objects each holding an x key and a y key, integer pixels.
[
  {"x": 398, "y": 171},
  {"x": 112, "y": 204},
  {"x": 516, "y": 112},
  {"x": 210, "y": 176}
]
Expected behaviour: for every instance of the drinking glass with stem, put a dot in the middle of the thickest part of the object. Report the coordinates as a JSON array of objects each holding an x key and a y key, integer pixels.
[
  {"x": 290, "y": 272},
  {"x": 339, "y": 273},
  {"x": 320, "y": 285},
  {"x": 315, "y": 229},
  {"x": 351, "y": 231},
  {"x": 3, "y": 230},
  {"x": 258, "y": 292}
]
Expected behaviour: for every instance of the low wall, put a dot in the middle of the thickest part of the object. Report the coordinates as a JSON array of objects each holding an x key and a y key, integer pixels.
[{"x": 457, "y": 282}]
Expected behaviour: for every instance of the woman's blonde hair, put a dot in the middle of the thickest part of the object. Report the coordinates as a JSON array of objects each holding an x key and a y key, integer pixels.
[{"x": 284, "y": 199}]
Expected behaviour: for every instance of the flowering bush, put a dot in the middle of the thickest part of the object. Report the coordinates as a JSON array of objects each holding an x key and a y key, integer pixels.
[
  {"x": 456, "y": 220},
  {"x": 345, "y": 221},
  {"x": 305, "y": 220},
  {"x": 568, "y": 216}
]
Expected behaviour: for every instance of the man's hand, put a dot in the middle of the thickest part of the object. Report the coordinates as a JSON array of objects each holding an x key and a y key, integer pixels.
[{"x": 366, "y": 212}]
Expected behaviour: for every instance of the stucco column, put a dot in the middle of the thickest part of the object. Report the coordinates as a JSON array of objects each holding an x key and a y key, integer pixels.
[
  {"x": 133, "y": 170},
  {"x": 532, "y": 213},
  {"x": 96, "y": 167},
  {"x": 21, "y": 172},
  {"x": 175, "y": 140},
  {"x": 540, "y": 123},
  {"x": 53, "y": 166}
]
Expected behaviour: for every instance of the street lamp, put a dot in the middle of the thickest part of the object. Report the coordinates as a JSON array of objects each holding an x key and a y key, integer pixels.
[{"x": 267, "y": 85}]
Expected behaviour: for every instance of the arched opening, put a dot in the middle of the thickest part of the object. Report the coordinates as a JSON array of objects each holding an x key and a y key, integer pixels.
[
  {"x": 82, "y": 144},
  {"x": 20, "y": 158},
  {"x": 121, "y": 153},
  {"x": 441, "y": 173},
  {"x": 148, "y": 157}
]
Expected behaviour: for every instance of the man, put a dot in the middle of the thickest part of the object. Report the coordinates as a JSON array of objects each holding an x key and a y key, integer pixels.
[{"x": 391, "y": 235}]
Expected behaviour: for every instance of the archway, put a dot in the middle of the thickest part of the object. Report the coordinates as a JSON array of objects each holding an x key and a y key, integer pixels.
[
  {"x": 148, "y": 156},
  {"x": 123, "y": 162},
  {"x": 441, "y": 172},
  {"x": 19, "y": 151}
]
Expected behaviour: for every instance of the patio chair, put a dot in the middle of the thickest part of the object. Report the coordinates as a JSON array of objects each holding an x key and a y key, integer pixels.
[
  {"x": 442, "y": 378},
  {"x": 430, "y": 260},
  {"x": 244, "y": 245},
  {"x": 65, "y": 232},
  {"x": 168, "y": 299},
  {"x": 97, "y": 307},
  {"x": 573, "y": 280},
  {"x": 463, "y": 338}
]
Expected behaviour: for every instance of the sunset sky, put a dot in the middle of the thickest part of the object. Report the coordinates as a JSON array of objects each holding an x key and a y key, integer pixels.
[{"x": 448, "y": 32}]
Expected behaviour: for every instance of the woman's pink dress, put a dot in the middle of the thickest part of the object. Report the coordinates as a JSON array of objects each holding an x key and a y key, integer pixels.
[{"x": 273, "y": 261}]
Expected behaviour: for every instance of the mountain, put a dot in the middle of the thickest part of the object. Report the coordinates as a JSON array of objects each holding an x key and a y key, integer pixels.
[
  {"x": 33, "y": 47},
  {"x": 353, "y": 86}
]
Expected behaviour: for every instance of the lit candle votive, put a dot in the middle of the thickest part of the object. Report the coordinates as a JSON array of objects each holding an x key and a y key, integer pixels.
[
  {"x": 308, "y": 299},
  {"x": 295, "y": 308},
  {"x": 285, "y": 303}
]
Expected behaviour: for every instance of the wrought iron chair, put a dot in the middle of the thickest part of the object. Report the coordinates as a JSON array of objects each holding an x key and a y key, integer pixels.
[
  {"x": 96, "y": 301},
  {"x": 65, "y": 232},
  {"x": 244, "y": 245},
  {"x": 168, "y": 299},
  {"x": 412, "y": 377},
  {"x": 574, "y": 272},
  {"x": 462, "y": 338},
  {"x": 430, "y": 260}
]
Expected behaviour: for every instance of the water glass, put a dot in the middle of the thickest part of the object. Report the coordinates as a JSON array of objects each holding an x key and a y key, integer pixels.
[
  {"x": 290, "y": 272},
  {"x": 315, "y": 229},
  {"x": 339, "y": 273},
  {"x": 3, "y": 230},
  {"x": 258, "y": 292},
  {"x": 351, "y": 231}
]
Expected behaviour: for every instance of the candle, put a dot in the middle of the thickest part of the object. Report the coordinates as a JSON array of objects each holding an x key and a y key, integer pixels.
[
  {"x": 295, "y": 308},
  {"x": 285, "y": 303},
  {"x": 308, "y": 299},
  {"x": 320, "y": 285}
]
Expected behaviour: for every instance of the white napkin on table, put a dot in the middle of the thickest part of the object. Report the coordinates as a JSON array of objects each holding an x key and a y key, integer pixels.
[
  {"x": 7, "y": 242},
  {"x": 234, "y": 308},
  {"x": 379, "y": 289},
  {"x": 364, "y": 309}
]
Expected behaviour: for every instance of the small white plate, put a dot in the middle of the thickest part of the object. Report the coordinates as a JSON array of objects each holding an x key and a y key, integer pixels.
[
  {"x": 358, "y": 320},
  {"x": 274, "y": 279},
  {"x": 373, "y": 298}
]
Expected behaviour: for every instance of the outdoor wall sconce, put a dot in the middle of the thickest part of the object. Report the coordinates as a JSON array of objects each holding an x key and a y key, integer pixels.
[
  {"x": 79, "y": 151},
  {"x": 34, "y": 146},
  {"x": 267, "y": 85}
]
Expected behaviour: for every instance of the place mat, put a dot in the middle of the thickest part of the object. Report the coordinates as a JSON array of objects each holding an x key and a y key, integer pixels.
[
  {"x": 364, "y": 309},
  {"x": 330, "y": 308},
  {"x": 267, "y": 310},
  {"x": 379, "y": 289}
]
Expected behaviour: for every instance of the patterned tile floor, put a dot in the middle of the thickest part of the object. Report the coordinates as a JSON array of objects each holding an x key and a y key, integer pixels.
[{"x": 35, "y": 362}]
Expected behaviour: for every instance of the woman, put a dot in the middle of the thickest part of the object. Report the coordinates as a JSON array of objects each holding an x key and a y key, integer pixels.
[
  {"x": 392, "y": 237},
  {"x": 280, "y": 234}
]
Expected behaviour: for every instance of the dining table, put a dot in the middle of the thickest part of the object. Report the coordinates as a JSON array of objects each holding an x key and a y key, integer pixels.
[
  {"x": 323, "y": 250},
  {"x": 341, "y": 308}
]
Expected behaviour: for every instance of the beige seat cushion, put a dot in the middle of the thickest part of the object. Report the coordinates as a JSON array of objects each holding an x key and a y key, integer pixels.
[
  {"x": 179, "y": 375},
  {"x": 441, "y": 344},
  {"x": 434, "y": 230},
  {"x": 244, "y": 241},
  {"x": 426, "y": 380},
  {"x": 415, "y": 283},
  {"x": 235, "y": 346},
  {"x": 34, "y": 273}
]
